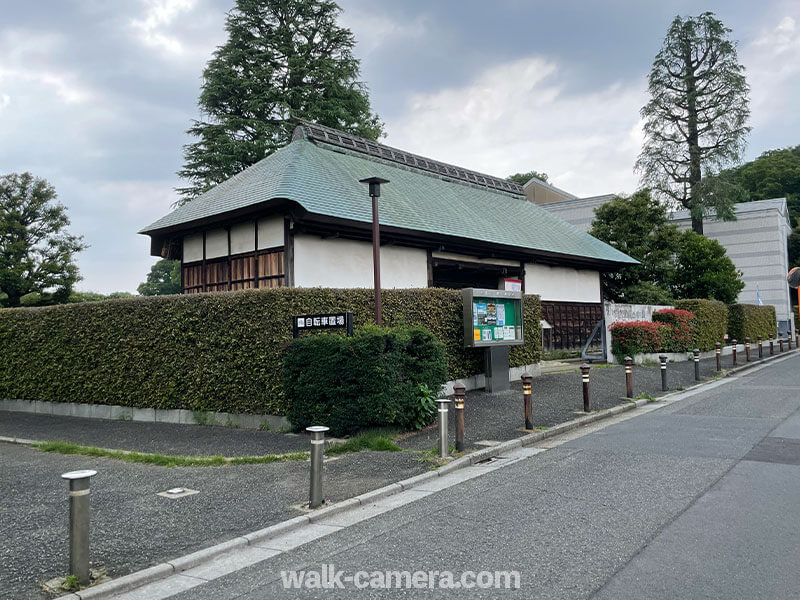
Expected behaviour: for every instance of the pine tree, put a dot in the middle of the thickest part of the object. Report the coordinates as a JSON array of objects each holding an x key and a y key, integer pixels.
[
  {"x": 283, "y": 59},
  {"x": 696, "y": 119}
]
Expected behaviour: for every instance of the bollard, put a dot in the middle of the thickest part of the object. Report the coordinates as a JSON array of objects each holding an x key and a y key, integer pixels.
[
  {"x": 780, "y": 342},
  {"x": 696, "y": 353},
  {"x": 458, "y": 405},
  {"x": 719, "y": 360},
  {"x": 747, "y": 349},
  {"x": 797, "y": 340},
  {"x": 771, "y": 345},
  {"x": 443, "y": 445},
  {"x": 628, "y": 377},
  {"x": 733, "y": 345},
  {"x": 789, "y": 340},
  {"x": 79, "y": 523},
  {"x": 760, "y": 348},
  {"x": 663, "y": 360},
  {"x": 317, "y": 453},
  {"x": 585, "y": 377},
  {"x": 526, "y": 400}
]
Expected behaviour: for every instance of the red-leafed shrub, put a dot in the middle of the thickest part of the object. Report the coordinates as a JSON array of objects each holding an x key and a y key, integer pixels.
[
  {"x": 637, "y": 337},
  {"x": 681, "y": 324}
]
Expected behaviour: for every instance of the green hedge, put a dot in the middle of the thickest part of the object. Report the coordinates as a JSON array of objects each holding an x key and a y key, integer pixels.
[
  {"x": 751, "y": 320},
  {"x": 216, "y": 351},
  {"x": 711, "y": 321},
  {"x": 372, "y": 379}
]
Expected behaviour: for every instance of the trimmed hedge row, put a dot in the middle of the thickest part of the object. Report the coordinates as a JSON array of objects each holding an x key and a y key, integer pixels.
[
  {"x": 636, "y": 337},
  {"x": 750, "y": 321},
  {"x": 679, "y": 333},
  {"x": 711, "y": 321},
  {"x": 372, "y": 379},
  {"x": 215, "y": 351}
]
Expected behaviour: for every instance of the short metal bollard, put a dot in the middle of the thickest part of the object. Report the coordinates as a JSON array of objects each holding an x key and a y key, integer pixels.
[
  {"x": 79, "y": 523},
  {"x": 628, "y": 377},
  {"x": 460, "y": 392},
  {"x": 747, "y": 349},
  {"x": 780, "y": 342},
  {"x": 771, "y": 345},
  {"x": 760, "y": 348},
  {"x": 526, "y": 400},
  {"x": 696, "y": 353},
  {"x": 317, "y": 432},
  {"x": 663, "y": 360},
  {"x": 789, "y": 340},
  {"x": 585, "y": 368},
  {"x": 444, "y": 447},
  {"x": 719, "y": 356},
  {"x": 733, "y": 345}
]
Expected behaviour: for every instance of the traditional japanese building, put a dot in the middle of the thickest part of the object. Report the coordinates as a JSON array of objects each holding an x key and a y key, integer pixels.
[{"x": 300, "y": 217}]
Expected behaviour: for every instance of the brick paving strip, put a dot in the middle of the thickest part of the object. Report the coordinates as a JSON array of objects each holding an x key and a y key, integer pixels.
[{"x": 192, "y": 570}]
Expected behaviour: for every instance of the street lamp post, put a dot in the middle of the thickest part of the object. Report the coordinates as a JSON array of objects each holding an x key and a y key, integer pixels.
[{"x": 375, "y": 193}]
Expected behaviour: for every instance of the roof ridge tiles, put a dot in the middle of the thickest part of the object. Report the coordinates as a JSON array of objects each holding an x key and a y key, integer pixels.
[{"x": 321, "y": 133}]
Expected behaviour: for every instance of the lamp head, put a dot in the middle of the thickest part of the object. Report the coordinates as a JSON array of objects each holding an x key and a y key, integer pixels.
[{"x": 374, "y": 185}]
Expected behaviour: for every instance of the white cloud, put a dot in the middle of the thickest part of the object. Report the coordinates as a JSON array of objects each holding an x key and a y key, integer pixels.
[
  {"x": 154, "y": 29},
  {"x": 518, "y": 116},
  {"x": 772, "y": 60},
  {"x": 373, "y": 30}
]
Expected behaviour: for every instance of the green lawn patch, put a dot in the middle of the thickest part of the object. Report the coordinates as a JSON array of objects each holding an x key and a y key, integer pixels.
[{"x": 379, "y": 440}]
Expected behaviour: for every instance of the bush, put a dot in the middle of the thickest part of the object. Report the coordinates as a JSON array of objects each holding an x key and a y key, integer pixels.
[
  {"x": 372, "y": 379},
  {"x": 207, "y": 352},
  {"x": 680, "y": 333},
  {"x": 637, "y": 337},
  {"x": 751, "y": 320},
  {"x": 711, "y": 321}
]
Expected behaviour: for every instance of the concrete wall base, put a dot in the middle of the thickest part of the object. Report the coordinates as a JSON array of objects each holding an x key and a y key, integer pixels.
[
  {"x": 146, "y": 415},
  {"x": 476, "y": 382}
]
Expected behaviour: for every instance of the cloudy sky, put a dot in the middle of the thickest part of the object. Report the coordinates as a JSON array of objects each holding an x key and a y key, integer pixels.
[{"x": 95, "y": 95}]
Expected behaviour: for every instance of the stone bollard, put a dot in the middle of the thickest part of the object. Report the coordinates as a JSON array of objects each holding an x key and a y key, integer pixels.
[
  {"x": 585, "y": 368},
  {"x": 628, "y": 377},
  {"x": 526, "y": 400},
  {"x": 719, "y": 356},
  {"x": 663, "y": 360},
  {"x": 696, "y": 353},
  {"x": 747, "y": 349},
  {"x": 79, "y": 523},
  {"x": 460, "y": 392},
  {"x": 444, "y": 447},
  {"x": 315, "y": 498}
]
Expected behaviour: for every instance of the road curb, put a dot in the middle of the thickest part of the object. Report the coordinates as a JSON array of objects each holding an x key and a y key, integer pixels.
[{"x": 195, "y": 559}]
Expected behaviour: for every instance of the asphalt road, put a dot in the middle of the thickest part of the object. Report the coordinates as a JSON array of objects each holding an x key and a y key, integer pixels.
[{"x": 697, "y": 499}]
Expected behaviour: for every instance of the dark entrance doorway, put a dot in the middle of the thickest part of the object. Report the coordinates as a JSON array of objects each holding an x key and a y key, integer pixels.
[{"x": 456, "y": 274}]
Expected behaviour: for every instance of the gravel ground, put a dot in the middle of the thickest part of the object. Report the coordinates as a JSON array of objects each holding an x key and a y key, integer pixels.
[
  {"x": 164, "y": 438},
  {"x": 133, "y": 528}
]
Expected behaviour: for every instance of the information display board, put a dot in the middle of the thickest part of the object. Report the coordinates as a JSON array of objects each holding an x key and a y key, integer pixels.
[{"x": 492, "y": 317}]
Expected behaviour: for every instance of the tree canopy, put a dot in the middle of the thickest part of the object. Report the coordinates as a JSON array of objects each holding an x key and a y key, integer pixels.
[
  {"x": 674, "y": 264},
  {"x": 523, "y": 178},
  {"x": 695, "y": 122},
  {"x": 37, "y": 254},
  {"x": 283, "y": 59},
  {"x": 164, "y": 278}
]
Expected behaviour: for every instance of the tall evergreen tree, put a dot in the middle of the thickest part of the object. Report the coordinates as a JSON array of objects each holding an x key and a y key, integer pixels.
[
  {"x": 283, "y": 59},
  {"x": 696, "y": 120},
  {"x": 37, "y": 254}
]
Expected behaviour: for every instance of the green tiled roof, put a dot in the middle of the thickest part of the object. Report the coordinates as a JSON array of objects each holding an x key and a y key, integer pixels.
[{"x": 324, "y": 180}]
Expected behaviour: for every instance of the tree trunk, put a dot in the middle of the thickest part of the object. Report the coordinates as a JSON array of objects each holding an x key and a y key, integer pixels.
[{"x": 693, "y": 138}]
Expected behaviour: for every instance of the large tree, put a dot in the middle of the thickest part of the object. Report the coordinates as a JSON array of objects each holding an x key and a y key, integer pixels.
[
  {"x": 696, "y": 120},
  {"x": 703, "y": 270},
  {"x": 164, "y": 278},
  {"x": 523, "y": 178},
  {"x": 36, "y": 251},
  {"x": 283, "y": 59}
]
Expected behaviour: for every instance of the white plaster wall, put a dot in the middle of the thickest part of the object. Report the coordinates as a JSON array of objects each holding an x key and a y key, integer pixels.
[
  {"x": 243, "y": 238},
  {"x": 270, "y": 232},
  {"x": 342, "y": 263},
  {"x": 192, "y": 247},
  {"x": 475, "y": 259},
  {"x": 216, "y": 243},
  {"x": 562, "y": 284}
]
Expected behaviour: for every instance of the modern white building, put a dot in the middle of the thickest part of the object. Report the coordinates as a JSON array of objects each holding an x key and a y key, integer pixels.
[{"x": 300, "y": 217}]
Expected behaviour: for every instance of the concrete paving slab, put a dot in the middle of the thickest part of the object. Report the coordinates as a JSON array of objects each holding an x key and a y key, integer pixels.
[
  {"x": 293, "y": 539},
  {"x": 230, "y": 562},
  {"x": 376, "y": 508},
  {"x": 165, "y": 588}
]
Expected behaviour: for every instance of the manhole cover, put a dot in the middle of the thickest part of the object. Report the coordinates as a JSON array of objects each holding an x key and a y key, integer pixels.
[{"x": 177, "y": 492}]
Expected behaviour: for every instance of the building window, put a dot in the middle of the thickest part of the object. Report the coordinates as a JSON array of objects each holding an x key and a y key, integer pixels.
[{"x": 262, "y": 269}]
